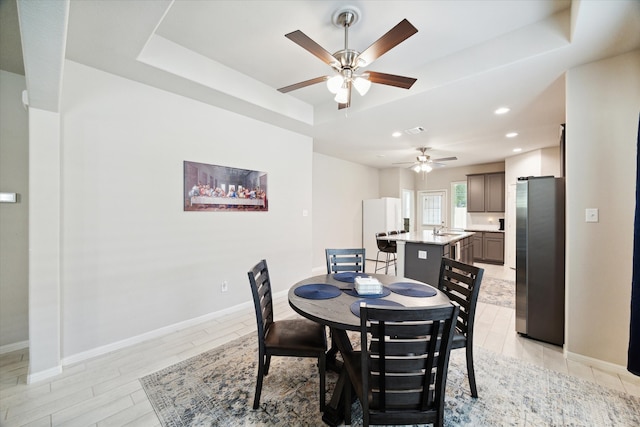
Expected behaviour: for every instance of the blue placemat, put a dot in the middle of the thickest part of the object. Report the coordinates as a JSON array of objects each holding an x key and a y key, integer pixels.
[
  {"x": 348, "y": 276},
  {"x": 355, "y": 307},
  {"x": 385, "y": 293},
  {"x": 317, "y": 291},
  {"x": 410, "y": 289}
]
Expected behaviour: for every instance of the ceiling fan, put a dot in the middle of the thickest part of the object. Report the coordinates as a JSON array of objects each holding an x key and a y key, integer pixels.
[
  {"x": 346, "y": 62},
  {"x": 424, "y": 162}
]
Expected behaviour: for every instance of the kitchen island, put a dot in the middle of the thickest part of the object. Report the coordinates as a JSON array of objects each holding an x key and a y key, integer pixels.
[{"x": 420, "y": 252}]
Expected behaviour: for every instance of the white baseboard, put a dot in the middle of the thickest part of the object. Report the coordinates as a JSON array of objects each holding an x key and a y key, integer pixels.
[
  {"x": 99, "y": 351},
  {"x": 34, "y": 377},
  {"x": 8, "y": 348},
  {"x": 602, "y": 365}
]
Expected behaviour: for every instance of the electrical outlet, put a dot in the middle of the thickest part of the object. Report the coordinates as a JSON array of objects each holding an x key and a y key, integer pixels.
[
  {"x": 422, "y": 254},
  {"x": 591, "y": 215},
  {"x": 225, "y": 286}
]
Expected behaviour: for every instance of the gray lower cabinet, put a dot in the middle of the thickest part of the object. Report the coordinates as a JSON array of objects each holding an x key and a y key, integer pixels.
[
  {"x": 466, "y": 250},
  {"x": 478, "y": 247},
  {"x": 488, "y": 247},
  {"x": 493, "y": 247}
]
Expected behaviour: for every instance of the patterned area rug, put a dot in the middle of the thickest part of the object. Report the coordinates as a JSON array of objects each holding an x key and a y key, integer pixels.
[
  {"x": 216, "y": 389},
  {"x": 498, "y": 292}
]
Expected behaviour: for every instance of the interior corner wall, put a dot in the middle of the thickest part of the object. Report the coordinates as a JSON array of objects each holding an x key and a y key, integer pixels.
[
  {"x": 14, "y": 217},
  {"x": 44, "y": 244},
  {"x": 133, "y": 261},
  {"x": 602, "y": 125},
  {"x": 390, "y": 183},
  {"x": 394, "y": 180},
  {"x": 550, "y": 161},
  {"x": 339, "y": 187}
]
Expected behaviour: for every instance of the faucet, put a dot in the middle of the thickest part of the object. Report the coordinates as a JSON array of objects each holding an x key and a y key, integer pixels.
[{"x": 438, "y": 230}]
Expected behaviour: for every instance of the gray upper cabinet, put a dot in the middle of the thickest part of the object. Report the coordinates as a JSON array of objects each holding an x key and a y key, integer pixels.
[
  {"x": 475, "y": 193},
  {"x": 485, "y": 192},
  {"x": 494, "y": 194}
]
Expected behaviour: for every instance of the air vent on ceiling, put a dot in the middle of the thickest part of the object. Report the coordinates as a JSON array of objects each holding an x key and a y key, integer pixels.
[{"x": 414, "y": 131}]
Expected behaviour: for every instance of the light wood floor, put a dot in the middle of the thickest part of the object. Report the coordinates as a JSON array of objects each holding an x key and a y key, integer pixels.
[{"x": 105, "y": 391}]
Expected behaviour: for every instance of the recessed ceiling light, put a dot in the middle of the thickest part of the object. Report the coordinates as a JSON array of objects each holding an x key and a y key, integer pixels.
[
  {"x": 502, "y": 110},
  {"x": 511, "y": 134},
  {"x": 396, "y": 134},
  {"x": 517, "y": 150},
  {"x": 380, "y": 155}
]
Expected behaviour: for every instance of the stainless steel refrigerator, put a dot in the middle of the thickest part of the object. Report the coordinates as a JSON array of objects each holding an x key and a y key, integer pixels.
[{"x": 540, "y": 258}]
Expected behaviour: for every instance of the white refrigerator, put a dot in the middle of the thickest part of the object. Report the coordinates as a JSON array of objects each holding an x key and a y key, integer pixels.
[{"x": 379, "y": 215}]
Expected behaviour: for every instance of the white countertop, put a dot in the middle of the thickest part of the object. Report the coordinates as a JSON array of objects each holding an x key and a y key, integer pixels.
[
  {"x": 427, "y": 237},
  {"x": 491, "y": 229}
]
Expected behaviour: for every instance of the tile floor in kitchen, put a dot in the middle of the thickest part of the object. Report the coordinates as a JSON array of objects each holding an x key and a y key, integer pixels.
[{"x": 105, "y": 391}]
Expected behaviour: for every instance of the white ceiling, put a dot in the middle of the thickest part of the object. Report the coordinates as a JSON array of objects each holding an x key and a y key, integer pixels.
[{"x": 469, "y": 57}]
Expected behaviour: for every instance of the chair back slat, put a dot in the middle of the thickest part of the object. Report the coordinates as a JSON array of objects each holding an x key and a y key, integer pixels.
[
  {"x": 341, "y": 260},
  {"x": 461, "y": 283},
  {"x": 262, "y": 299},
  {"x": 404, "y": 366}
]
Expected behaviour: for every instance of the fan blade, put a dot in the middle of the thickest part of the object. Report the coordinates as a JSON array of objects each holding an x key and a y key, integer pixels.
[
  {"x": 444, "y": 159},
  {"x": 302, "y": 40},
  {"x": 403, "y": 163},
  {"x": 303, "y": 84},
  {"x": 348, "y": 104},
  {"x": 392, "y": 38},
  {"x": 391, "y": 79}
]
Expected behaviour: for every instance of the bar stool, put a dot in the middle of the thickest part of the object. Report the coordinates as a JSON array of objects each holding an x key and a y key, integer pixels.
[{"x": 388, "y": 248}]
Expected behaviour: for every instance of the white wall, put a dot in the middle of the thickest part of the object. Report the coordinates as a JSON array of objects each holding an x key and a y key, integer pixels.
[
  {"x": 339, "y": 187},
  {"x": 14, "y": 178},
  {"x": 541, "y": 162},
  {"x": 132, "y": 260},
  {"x": 602, "y": 129},
  {"x": 394, "y": 180},
  {"x": 45, "y": 303}
]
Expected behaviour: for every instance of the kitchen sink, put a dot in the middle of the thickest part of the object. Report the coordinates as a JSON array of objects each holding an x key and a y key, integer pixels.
[{"x": 448, "y": 234}]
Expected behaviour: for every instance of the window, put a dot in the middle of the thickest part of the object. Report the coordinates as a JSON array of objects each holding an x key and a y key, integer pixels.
[
  {"x": 459, "y": 204},
  {"x": 432, "y": 208}
]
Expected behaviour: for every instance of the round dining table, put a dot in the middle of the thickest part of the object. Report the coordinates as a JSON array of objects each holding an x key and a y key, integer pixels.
[{"x": 332, "y": 300}]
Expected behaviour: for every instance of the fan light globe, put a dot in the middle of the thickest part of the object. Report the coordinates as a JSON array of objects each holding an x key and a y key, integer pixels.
[
  {"x": 334, "y": 83},
  {"x": 362, "y": 85},
  {"x": 342, "y": 97},
  {"x": 416, "y": 168},
  {"x": 425, "y": 167}
]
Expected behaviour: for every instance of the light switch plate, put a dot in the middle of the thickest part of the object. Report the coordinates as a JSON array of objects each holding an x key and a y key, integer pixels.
[
  {"x": 591, "y": 214},
  {"x": 422, "y": 254}
]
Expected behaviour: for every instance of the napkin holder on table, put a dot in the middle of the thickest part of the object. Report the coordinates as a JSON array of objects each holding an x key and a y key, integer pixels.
[{"x": 368, "y": 286}]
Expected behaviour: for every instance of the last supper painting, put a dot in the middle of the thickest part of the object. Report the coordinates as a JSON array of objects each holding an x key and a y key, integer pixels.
[{"x": 222, "y": 188}]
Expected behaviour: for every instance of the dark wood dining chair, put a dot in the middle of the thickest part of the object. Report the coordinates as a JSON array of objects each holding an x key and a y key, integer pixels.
[
  {"x": 340, "y": 260},
  {"x": 291, "y": 337},
  {"x": 461, "y": 283},
  {"x": 400, "y": 376}
]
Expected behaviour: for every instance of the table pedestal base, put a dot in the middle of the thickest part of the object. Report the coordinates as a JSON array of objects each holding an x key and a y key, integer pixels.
[{"x": 334, "y": 412}]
